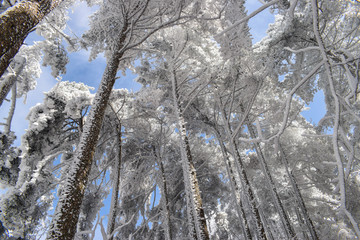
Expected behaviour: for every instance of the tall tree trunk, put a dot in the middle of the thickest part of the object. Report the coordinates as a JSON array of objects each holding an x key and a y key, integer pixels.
[
  {"x": 17, "y": 22},
  {"x": 298, "y": 196},
  {"x": 260, "y": 230},
  {"x": 271, "y": 185},
  {"x": 164, "y": 196},
  {"x": 63, "y": 225},
  {"x": 191, "y": 182},
  {"x": 235, "y": 190},
  {"x": 116, "y": 185}
]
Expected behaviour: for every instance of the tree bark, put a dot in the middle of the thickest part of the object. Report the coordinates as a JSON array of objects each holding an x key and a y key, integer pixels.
[
  {"x": 17, "y": 22},
  {"x": 301, "y": 223}
]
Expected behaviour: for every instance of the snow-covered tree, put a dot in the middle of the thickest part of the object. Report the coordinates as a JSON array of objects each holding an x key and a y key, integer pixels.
[{"x": 213, "y": 145}]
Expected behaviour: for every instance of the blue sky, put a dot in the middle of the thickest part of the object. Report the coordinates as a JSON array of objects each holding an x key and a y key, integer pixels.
[{"x": 81, "y": 70}]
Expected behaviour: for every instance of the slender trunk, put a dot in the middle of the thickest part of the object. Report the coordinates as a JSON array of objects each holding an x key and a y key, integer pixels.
[
  {"x": 12, "y": 109},
  {"x": 190, "y": 179},
  {"x": 198, "y": 211},
  {"x": 271, "y": 185},
  {"x": 235, "y": 189},
  {"x": 63, "y": 225},
  {"x": 260, "y": 230},
  {"x": 5, "y": 87},
  {"x": 17, "y": 22},
  {"x": 298, "y": 196},
  {"x": 116, "y": 185},
  {"x": 301, "y": 223},
  {"x": 166, "y": 209},
  {"x": 266, "y": 224},
  {"x": 164, "y": 196}
]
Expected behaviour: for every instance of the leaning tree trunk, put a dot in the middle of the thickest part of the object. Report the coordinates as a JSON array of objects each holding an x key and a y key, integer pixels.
[
  {"x": 192, "y": 189},
  {"x": 17, "y": 22},
  {"x": 116, "y": 185},
  {"x": 271, "y": 185},
  {"x": 63, "y": 225}
]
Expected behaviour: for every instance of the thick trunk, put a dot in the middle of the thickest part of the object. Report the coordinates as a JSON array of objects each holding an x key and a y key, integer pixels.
[
  {"x": 298, "y": 196},
  {"x": 16, "y": 23},
  {"x": 271, "y": 185},
  {"x": 190, "y": 179},
  {"x": 116, "y": 185},
  {"x": 63, "y": 225}
]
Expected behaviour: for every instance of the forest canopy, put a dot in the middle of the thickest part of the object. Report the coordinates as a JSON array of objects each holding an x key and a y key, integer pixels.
[{"x": 213, "y": 144}]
